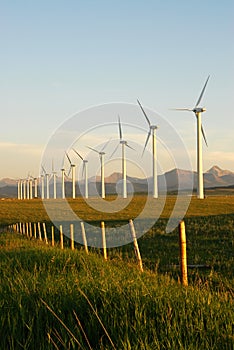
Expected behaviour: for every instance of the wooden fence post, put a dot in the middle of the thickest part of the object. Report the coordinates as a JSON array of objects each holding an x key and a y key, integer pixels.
[
  {"x": 104, "y": 240},
  {"x": 52, "y": 236},
  {"x": 72, "y": 236},
  {"x": 45, "y": 234},
  {"x": 27, "y": 229},
  {"x": 20, "y": 227},
  {"x": 61, "y": 236},
  {"x": 135, "y": 243},
  {"x": 39, "y": 231},
  {"x": 35, "y": 230},
  {"x": 30, "y": 229},
  {"x": 23, "y": 229},
  {"x": 183, "y": 255},
  {"x": 84, "y": 236}
]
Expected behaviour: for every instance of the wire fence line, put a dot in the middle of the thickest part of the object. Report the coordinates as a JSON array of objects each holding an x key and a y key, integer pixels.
[{"x": 41, "y": 231}]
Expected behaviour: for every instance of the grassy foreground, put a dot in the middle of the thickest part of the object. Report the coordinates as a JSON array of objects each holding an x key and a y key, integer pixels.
[{"x": 54, "y": 299}]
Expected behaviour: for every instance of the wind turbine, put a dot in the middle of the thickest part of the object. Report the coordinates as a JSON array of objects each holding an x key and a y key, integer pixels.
[
  {"x": 200, "y": 132},
  {"x": 102, "y": 155},
  {"x": 73, "y": 170},
  {"x": 85, "y": 172},
  {"x": 152, "y": 133},
  {"x": 124, "y": 144}
]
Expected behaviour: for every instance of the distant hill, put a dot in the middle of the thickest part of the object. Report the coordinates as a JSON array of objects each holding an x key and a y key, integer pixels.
[{"x": 215, "y": 177}]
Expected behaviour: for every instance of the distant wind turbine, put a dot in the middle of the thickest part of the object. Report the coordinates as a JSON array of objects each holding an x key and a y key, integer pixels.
[
  {"x": 200, "y": 132},
  {"x": 85, "y": 172},
  {"x": 152, "y": 132},
  {"x": 73, "y": 171},
  {"x": 102, "y": 155},
  {"x": 124, "y": 144}
]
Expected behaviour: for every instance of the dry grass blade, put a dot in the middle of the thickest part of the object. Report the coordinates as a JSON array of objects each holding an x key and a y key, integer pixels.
[
  {"x": 82, "y": 330},
  {"x": 62, "y": 323},
  {"x": 96, "y": 314}
]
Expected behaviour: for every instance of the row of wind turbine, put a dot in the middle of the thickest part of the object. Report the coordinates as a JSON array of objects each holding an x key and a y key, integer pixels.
[{"x": 25, "y": 186}]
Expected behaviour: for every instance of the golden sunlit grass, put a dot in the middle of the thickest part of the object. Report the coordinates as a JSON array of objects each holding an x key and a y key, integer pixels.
[{"x": 33, "y": 210}]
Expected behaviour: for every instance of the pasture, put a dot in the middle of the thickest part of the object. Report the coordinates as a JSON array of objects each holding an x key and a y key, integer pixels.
[{"x": 63, "y": 299}]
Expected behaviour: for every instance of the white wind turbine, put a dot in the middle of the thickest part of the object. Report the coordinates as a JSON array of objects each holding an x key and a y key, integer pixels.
[
  {"x": 124, "y": 144},
  {"x": 200, "y": 131},
  {"x": 73, "y": 170},
  {"x": 85, "y": 172},
  {"x": 102, "y": 156},
  {"x": 152, "y": 132}
]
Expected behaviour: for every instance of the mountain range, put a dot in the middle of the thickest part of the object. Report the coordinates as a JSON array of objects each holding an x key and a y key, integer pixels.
[{"x": 213, "y": 178}]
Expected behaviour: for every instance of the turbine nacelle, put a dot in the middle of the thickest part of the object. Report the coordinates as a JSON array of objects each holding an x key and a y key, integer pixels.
[
  {"x": 122, "y": 142},
  {"x": 199, "y": 110}
]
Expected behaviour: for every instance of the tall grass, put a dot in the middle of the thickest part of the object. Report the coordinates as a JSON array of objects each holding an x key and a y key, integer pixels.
[
  {"x": 62, "y": 299},
  {"x": 54, "y": 299}
]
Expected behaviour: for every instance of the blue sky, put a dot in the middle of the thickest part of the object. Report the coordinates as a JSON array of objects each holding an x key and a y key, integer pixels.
[{"x": 60, "y": 57}]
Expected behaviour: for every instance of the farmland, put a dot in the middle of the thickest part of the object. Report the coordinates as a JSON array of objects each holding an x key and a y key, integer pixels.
[{"x": 54, "y": 299}]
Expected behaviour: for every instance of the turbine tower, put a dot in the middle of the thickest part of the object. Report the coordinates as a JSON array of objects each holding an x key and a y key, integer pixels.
[
  {"x": 54, "y": 174},
  {"x": 73, "y": 170},
  {"x": 47, "y": 183},
  {"x": 101, "y": 155},
  {"x": 200, "y": 132},
  {"x": 35, "y": 187},
  {"x": 18, "y": 189},
  {"x": 152, "y": 133},
  {"x": 63, "y": 182},
  {"x": 21, "y": 189},
  {"x": 42, "y": 187},
  {"x": 85, "y": 172},
  {"x": 24, "y": 183},
  {"x": 124, "y": 144}
]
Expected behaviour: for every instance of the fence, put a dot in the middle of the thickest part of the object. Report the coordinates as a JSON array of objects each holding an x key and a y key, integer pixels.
[{"x": 36, "y": 230}]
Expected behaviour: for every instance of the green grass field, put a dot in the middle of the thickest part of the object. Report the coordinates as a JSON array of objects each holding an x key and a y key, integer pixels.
[{"x": 62, "y": 299}]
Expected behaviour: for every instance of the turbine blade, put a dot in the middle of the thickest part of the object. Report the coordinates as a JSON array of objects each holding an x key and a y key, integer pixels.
[
  {"x": 147, "y": 119},
  {"x": 83, "y": 169},
  {"x": 78, "y": 154},
  {"x": 68, "y": 158},
  {"x": 204, "y": 136},
  {"x": 180, "y": 109},
  {"x": 69, "y": 172},
  {"x": 43, "y": 169},
  {"x": 114, "y": 151},
  {"x": 120, "y": 129},
  {"x": 105, "y": 145},
  {"x": 146, "y": 141},
  {"x": 130, "y": 146},
  {"x": 203, "y": 90},
  {"x": 93, "y": 149}
]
